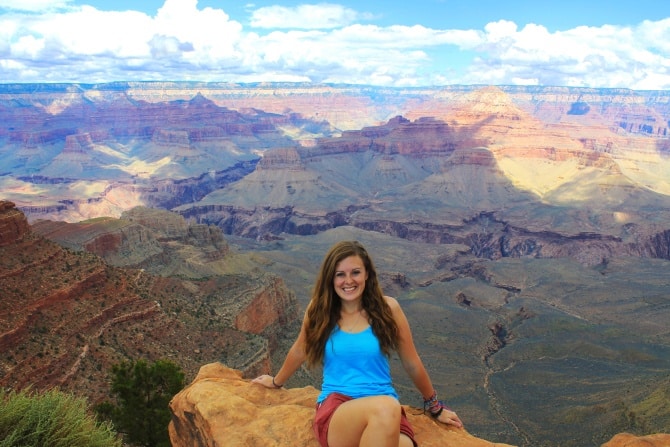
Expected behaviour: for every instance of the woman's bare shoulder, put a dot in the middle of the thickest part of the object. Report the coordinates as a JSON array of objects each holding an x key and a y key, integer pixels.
[{"x": 392, "y": 302}]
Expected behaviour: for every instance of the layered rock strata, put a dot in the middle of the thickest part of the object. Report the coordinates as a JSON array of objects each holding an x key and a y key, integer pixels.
[{"x": 66, "y": 316}]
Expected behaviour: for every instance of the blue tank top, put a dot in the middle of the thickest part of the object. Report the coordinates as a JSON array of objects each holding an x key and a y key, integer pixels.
[{"x": 354, "y": 365}]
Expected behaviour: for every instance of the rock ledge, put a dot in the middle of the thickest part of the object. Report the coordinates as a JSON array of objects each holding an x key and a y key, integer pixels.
[{"x": 220, "y": 408}]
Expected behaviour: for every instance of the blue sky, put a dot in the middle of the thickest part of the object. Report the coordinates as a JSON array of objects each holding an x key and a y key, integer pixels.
[{"x": 413, "y": 43}]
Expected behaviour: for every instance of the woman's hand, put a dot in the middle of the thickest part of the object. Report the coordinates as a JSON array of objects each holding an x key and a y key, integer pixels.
[
  {"x": 449, "y": 417},
  {"x": 266, "y": 381}
]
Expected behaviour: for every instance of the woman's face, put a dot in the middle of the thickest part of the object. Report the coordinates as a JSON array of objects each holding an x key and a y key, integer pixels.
[{"x": 349, "y": 279}]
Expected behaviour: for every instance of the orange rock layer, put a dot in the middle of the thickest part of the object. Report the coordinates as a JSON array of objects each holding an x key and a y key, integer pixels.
[{"x": 221, "y": 408}]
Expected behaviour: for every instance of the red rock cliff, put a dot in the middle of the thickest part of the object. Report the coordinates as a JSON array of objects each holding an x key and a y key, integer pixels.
[
  {"x": 66, "y": 316},
  {"x": 13, "y": 223}
]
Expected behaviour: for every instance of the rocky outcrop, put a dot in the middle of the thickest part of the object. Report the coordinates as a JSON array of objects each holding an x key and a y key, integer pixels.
[
  {"x": 171, "y": 138},
  {"x": 66, "y": 316},
  {"x": 138, "y": 236},
  {"x": 116, "y": 241},
  {"x": 629, "y": 440},
  {"x": 281, "y": 158},
  {"x": 221, "y": 408},
  {"x": 165, "y": 225},
  {"x": 420, "y": 138},
  {"x": 78, "y": 143},
  {"x": 13, "y": 223}
]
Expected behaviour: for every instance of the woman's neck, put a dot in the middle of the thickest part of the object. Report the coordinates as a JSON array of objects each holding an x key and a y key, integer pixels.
[
  {"x": 353, "y": 317},
  {"x": 351, "y": 307}
]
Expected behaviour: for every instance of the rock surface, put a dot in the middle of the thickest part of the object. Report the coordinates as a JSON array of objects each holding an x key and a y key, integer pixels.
[
  {"x": 628, "y": 440},
  {"x": 13, "y": 223},
  {"x": 220, "y": 408}
]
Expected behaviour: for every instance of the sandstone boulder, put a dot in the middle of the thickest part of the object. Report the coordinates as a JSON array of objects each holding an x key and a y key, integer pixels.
[
  {"x": 628, "y": 440},
  {"x": 221, "y": 408}
]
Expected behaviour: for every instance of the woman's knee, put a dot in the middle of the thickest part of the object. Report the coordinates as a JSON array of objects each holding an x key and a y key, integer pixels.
[{"x": 386, "y": 407}]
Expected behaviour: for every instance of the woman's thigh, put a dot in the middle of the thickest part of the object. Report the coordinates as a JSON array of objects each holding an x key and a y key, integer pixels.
[
  {"x": 352, "y": 418},
  {"x": 405, "y": 441}
]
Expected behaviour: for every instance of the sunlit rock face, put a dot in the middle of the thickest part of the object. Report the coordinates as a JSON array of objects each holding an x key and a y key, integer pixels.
[
  {"x": 629, "y": 440},
  {"x": 221, "y": 408},
  {"x": 105, "y": 149},
  {"x": 489, "y": 175}
]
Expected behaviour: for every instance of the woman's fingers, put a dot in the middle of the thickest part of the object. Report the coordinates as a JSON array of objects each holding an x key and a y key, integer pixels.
[
  {"x": 451, "y": 418},
  {"x": 263, "y": 380}
]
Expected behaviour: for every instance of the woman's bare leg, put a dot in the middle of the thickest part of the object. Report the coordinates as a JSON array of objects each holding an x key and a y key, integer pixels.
[
  {"x": 405, "y": 441},
  {"x": 367, "y": 421}
]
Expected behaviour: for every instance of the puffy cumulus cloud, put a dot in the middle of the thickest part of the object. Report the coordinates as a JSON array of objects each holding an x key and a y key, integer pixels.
[
  {"x": 655, "y": 34},
  {"x": 213, "y": 37},
  {"x": 88, "y": 45},
  {"x": 607, "y": 56},
  {"x": 320, "y": 43},
  {"x": 89, "y": 32},
  {"x": 320, "y": 16}
]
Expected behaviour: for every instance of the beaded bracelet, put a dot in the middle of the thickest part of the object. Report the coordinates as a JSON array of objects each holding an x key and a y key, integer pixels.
[{"x": 434, "y": 406}]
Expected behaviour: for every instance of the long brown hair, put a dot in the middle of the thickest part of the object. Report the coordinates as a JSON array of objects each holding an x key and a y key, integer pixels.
[{"x": 323, "y": 310}]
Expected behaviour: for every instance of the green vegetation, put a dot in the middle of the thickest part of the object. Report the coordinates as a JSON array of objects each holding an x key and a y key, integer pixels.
[
  {"x": 653, "y": 410},
  {"x": 143, "y": 392},
  {"x": 53, "y": 419}
]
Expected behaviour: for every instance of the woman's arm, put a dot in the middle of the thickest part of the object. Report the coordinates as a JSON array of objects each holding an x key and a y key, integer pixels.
[
  {"x": 412, "y": 363},
  {"x": 294, "y": 359}
]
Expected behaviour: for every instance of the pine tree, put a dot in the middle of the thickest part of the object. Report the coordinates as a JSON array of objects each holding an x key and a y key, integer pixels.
[{"x": 142, "y": 393}]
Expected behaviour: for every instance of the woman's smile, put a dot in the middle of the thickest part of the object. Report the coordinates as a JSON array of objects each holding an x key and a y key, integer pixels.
[{"x": 350, "y": 277}]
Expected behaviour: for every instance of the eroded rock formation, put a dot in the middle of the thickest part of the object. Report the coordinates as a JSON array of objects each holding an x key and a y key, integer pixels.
[
  {"x": 66, "y": 316},
  {"x": 221, "y": 408},
  {"x": 13, "y": 223},
  {"x": 629, "y": 440}
]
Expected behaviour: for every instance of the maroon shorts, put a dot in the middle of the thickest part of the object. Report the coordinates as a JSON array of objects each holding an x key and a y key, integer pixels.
[{"x": 325, "y": 410}]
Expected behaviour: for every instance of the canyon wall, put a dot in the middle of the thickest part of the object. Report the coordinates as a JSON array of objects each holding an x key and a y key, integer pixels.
[{"x": 67, "y": 316}]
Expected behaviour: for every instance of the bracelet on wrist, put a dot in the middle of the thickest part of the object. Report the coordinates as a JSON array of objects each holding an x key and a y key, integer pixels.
[
  {"x": 434, "y": 406},
  {"x": 432, "y": 398},
  {"x": 275, "y": 384}
]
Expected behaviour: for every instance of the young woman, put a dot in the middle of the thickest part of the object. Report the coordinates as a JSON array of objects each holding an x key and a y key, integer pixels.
[{"x": 351, "y": 329}]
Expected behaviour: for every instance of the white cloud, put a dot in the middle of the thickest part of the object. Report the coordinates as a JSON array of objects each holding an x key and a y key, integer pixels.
[
  {"x": 325, "y": 43},
  {"x": 321, "y": 16},
  {"x": 33, "y": 5},
  {"x": 606, "y": 56},
  {"x": 91, "y": 32},
  {"x": 655, "y": 34}
]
